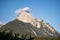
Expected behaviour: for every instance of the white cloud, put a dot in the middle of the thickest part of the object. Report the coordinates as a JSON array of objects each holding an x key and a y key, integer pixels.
[
  {"x": 1, "y": 23},
  {"x": 26, "y": 9},
  {"x": 18, "y": 11}
]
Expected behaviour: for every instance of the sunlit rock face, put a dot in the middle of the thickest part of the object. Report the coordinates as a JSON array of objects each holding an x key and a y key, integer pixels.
[
  {"x": 25, "y": 16},
  {"x": 46, "y": 25},
  {"x": 48, "y": 29},
  {"x": 38, "y": 22}
]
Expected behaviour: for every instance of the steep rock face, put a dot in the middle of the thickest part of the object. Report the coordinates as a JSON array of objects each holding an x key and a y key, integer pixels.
[
  {"x": 25, "y": 23},
  {"x": 26, "y": 17}
]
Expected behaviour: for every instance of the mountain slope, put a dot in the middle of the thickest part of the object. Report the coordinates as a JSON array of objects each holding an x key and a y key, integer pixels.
[{"x": 20, "y": 27}]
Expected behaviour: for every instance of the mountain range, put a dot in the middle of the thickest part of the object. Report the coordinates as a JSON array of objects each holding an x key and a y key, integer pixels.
[{"x": 25, "y": 23}]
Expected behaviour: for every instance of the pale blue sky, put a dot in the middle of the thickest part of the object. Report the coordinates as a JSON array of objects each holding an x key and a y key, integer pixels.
[{"x": 48, "y": 10}]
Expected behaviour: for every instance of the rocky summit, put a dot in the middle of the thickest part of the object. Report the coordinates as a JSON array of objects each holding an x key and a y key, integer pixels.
[{"x": 25, "y": 23}]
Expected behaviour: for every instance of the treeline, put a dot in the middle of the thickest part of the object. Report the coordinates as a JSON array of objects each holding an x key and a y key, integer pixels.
[
  {"x": 47, "y": 38},
  {"x": 9, "y": 36}
]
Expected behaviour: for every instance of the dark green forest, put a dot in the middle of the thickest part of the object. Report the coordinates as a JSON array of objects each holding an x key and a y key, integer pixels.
[{"x": 9, "y": 36}]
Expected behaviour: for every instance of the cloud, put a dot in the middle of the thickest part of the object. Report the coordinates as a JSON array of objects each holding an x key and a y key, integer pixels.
[
  {"x": 26, "y": 9},
  {"x": 1, "y": 24},
  {"x": 18, "y": 11}
]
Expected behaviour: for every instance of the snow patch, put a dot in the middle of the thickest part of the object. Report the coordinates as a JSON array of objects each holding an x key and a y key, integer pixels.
[{"x": 34, "y": 32}]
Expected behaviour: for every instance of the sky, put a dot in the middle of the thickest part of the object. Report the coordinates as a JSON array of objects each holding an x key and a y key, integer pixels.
[{"x": 48, "y": 10}]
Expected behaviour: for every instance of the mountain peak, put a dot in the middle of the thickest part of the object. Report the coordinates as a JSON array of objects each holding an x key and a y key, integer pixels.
[{"x": 24, "y": 15}]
